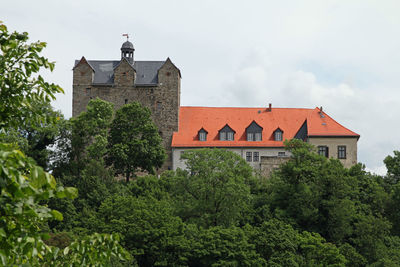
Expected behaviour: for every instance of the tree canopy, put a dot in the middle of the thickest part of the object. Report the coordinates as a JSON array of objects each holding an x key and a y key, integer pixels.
[{"x": 134, "y": 141}]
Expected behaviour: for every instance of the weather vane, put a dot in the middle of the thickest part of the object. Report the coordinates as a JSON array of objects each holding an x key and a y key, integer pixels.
[{"x": 126, "y": 35}]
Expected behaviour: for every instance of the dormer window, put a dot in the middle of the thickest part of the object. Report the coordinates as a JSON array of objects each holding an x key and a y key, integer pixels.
[
  {"x": 226, "y": 134},
  {"x": 278, "y": 135},
  {"x": 254, "y": 132},
  {"x": 202, "y": 135}
]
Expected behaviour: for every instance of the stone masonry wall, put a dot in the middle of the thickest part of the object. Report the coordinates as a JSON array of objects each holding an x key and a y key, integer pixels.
[
  {"x": 163, "y": 100},
  {"x": 268, "y": 164}
]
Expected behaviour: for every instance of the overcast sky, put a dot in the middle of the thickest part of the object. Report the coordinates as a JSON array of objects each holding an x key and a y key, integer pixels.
[{"x": 342, "y": 55}]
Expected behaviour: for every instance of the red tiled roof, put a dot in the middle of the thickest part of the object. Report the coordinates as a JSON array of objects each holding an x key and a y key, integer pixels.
[{"x": 289, "y": 120}]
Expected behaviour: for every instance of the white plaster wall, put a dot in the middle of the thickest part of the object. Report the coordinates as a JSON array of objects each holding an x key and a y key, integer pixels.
[{"x": 263, "y": 151}]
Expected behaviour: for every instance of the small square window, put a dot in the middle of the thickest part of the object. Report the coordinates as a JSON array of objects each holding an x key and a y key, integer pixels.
[
  {"x": 281, "y": 154},
  {"x": 126, "y": 101},
  {"x": 256, "y": 156},
  {"x": 248, "y": 156},
  {"x": 88, "y": 91},
  {"x": 341, "y": 152}
]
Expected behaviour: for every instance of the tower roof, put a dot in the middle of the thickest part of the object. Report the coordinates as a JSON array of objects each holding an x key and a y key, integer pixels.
[{"x": 127, "y": 46}]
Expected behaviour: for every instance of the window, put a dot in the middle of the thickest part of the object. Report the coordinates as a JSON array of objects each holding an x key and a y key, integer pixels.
[
  {"x": 278, "y": 135},
  {"x": 202, "y": 136},
  {"x": 341, "y": 154},
  {"x": 226, "y": 133},
  {"x": 256, "y": 157},
  {"x": 258, "y": 137},
  {"x": 248, "y": 156},
  {"x": 323, "y": 151},
  {"x": 230, "y": 136},
  {"x": 88, "y": 91},
  {"x": 126, "y": 101},
  {"x": 281, "y": 154},
  {"x": 254, "y": 132},
  {"x": 222, "y": 136}
]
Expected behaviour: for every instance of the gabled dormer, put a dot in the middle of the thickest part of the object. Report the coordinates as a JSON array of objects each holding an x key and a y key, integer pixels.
[
  {"x": 83, "y": 72},
  {"x": 278, "y": 134},
  {"x": 202, "y": 134},
  {"x": 254, "y": 132},
  {"x": 124, "y": 73},
  {"x": 226, "y": 133}
]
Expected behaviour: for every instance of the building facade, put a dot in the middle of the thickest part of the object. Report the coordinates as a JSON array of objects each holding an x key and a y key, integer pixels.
[
  {"x": 155, "y": 84},
  {"x": 257, "y": 134}
]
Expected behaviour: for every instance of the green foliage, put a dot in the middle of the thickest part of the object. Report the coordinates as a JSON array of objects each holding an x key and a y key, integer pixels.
[
  {"x": 213, "y": 190},
  {"x": 315, "y": 193},
  {"x": 24, "y": 186},
  {"x": 134, "y": 141},
  {"x": 393, "y": 167},
  {"x": 94, "y": 250},
  {"x": 21, "y": 89},
  {"x": 219, "y": 246},
  {"x": 34, "y": 140},
  {"x": 148, "y": 228}
]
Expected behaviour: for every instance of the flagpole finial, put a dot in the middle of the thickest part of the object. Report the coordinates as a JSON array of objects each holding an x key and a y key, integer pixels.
[{"x": 126, "y": 35}]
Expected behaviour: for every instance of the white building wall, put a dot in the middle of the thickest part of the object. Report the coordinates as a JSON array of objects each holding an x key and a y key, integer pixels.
[{"x": 263, "y": 151}]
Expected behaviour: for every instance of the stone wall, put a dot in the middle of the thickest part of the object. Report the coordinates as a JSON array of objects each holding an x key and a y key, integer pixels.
[
  {"x": 269, "y": 164},
  {"x": 163, "y": 99}
]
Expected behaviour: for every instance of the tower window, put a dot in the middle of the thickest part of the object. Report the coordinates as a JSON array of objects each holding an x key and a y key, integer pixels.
[
  {"x": 341, "y": 152},
  {"x": 323, "y": 151},
  {"x": 126, "y": 101},
  {"x": 88, "y": 91}
]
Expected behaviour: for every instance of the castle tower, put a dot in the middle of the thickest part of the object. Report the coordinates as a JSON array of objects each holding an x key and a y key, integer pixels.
[{"x": 154, "y": 84}]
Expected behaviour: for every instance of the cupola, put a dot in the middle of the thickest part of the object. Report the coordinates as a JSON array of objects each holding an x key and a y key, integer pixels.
[{"x": 127, "y": 50}]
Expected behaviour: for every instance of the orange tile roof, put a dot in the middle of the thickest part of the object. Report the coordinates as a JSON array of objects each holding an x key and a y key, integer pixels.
[{"x": 289, "y": 120}]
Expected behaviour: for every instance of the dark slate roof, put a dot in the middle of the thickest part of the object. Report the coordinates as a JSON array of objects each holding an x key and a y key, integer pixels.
[
  {"x": 146, "y": 71},
  {"x": 127, "y": 45}
]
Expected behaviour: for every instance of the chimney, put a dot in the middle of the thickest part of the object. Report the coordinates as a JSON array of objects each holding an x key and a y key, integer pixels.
[
  {"x": 321, "y": 113},
  {"x": 269, "y": 107}
]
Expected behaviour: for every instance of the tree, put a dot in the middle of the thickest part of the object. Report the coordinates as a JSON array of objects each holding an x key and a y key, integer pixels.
[
  {"x": 26, "y": 187},
  {"x": 20, "y": 90},
  {"x": 314, "y": 192},
  {"x": 33, "y": 139},
  {"x": 214, "y": 190},
  {"x": 150, "y": 231},
  {"x": 134, "y": 141},
  {"x": 393, "y": 167}
]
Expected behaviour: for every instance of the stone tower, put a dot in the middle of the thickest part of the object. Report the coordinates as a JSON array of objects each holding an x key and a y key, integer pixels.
[{"x": 155, "y": 84}]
